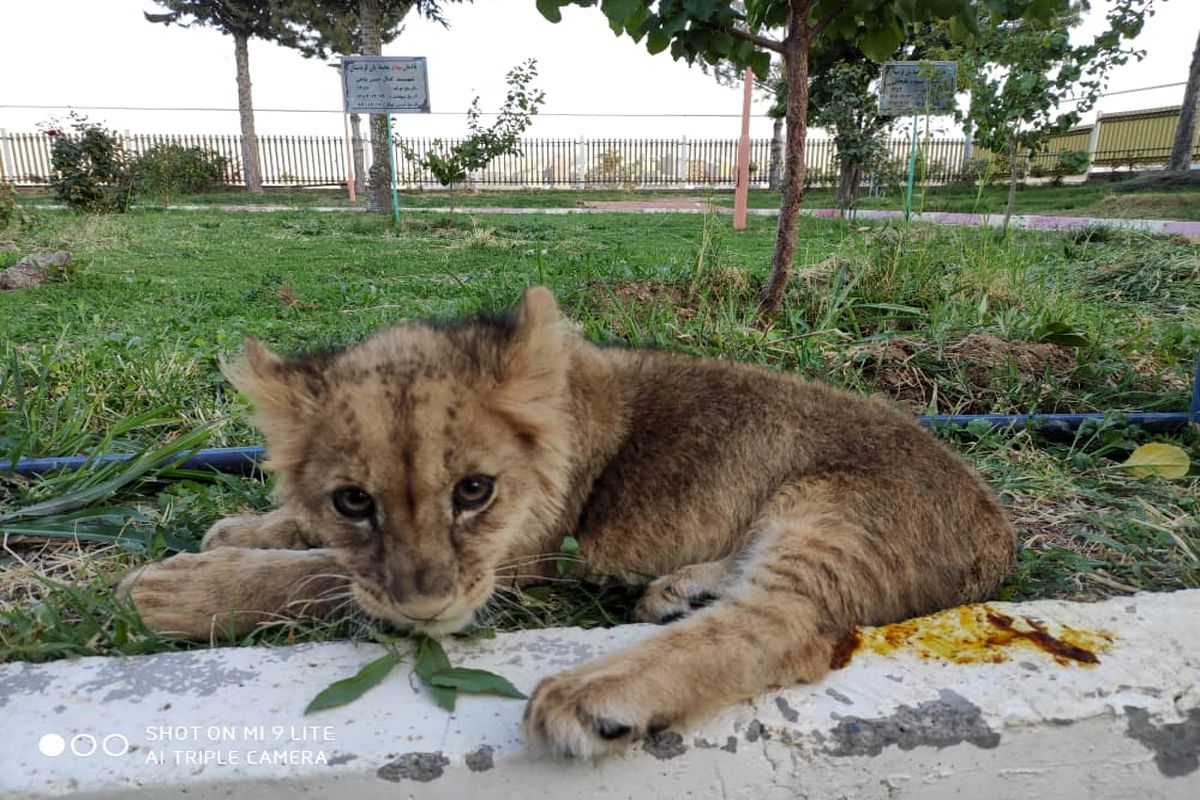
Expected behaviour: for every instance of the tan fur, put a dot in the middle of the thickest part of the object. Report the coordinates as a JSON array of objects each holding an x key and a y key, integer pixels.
[{"x": 779, "y": 512}]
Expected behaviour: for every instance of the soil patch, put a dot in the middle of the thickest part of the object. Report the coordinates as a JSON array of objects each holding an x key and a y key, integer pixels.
[
  {"x": 1159, "y": 205},
  {"x": 906, "y": 368}
]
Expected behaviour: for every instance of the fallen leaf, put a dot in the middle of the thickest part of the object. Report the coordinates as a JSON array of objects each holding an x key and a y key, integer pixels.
[{"x": 1157, "y": 458}]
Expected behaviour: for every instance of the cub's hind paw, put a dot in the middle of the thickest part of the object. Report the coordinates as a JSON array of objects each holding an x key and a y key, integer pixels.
[{"x": 672, "y": 597}]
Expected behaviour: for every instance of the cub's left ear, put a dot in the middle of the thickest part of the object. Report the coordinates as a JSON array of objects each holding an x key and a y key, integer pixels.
[
  {"x": 536, "y": 350},
  {"x": 533, "y": 386}
]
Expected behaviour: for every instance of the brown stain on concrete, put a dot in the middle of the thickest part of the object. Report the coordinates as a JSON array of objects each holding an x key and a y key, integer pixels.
[{"x": 976, "y": 634}]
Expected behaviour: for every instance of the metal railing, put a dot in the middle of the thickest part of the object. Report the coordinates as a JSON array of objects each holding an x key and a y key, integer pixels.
[{"x": 1129, "y": 140}]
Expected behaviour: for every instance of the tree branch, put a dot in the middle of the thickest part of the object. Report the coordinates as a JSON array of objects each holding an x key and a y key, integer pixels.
[
  {"x": 820, "y": 25},
  {"x": 759, "y": 41}
]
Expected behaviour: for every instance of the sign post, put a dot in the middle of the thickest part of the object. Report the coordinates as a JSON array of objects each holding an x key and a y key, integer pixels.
[
  {"x": 916, "y": 87},
  {"x": 386, "y": 85}
]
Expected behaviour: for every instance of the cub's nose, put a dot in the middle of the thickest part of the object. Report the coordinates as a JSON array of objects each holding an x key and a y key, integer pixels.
[
  {"x": 422, "y": 590},
  {"x": 425, "y": 609}
]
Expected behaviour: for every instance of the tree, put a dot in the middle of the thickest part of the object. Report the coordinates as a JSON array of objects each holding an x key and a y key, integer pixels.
[
  {"x": 320, "y": 28},
  {"x": 1022, "y": 71},
  {"x": 241, "y": 19},
  {"x": 716, "y": 29},
  {"x": 1185, "y": 130},
  {"x": 452, "y": 164},
  {"x": 843, "y": 94}
]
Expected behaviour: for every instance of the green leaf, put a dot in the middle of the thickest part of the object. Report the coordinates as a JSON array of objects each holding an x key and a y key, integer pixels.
[
  {"x": 341, "y": 692},
  {"x": 549, "y": 10},
  {"x": 944, "y": 9},
  {"x": 476, "y": 681},
  {"x": 431, "y": 658},
  {"x": 702, "y": 10},
  {"x": 906, "y": 10},
  {"x": 619, "y": 10},
  {"x": 880, "y": 43},
  {"x": 431, "y": 661},
  {"x": 567, "y": 550},
  {"x": 657, "y": 41},
  {"x": 1157, "y": 458},
  {"x": 444, "y": 696}
]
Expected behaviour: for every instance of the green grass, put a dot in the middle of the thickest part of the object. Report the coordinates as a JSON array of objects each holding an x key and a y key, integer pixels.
[
  {"x": 123, "y": 358},
  {"x": 1096, "y": 198}
]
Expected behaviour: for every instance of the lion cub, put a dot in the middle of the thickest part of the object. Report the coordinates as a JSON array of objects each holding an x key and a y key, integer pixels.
[{"x": 421, "y": 467}]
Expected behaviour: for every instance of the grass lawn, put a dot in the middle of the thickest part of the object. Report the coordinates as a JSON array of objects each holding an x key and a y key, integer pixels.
[
  {"x": 122, "y": 357},
  {"x": 1094, "y": 199}
]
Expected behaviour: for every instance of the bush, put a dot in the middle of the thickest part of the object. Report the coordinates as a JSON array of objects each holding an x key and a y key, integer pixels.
[
  {"x": 91, "y": 169},
  {"x": 975, "y": 171},
  {"x": 166, "y": 170},
  {"x": 1070, "y": 162},
  {"x": 8, "y": 205}
]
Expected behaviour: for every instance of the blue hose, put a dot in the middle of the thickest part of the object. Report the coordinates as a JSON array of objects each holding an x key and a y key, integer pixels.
[{"x": 243, "y": 460}]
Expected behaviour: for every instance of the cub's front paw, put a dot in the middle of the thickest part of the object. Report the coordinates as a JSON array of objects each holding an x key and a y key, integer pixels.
[
  {"x": 275, "y": 529},
  {"x": 190, "y": 594},
  {"x": 586, "y": 713}
]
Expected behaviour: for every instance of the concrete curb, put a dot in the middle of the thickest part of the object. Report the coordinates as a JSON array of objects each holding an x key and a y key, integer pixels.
[
  {"x": 1021, "y": 716},
  {"x": 1032, "y": 221}
]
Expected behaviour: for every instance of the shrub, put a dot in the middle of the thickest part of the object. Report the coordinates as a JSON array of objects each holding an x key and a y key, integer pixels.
[
  {"x": 91, "y": 169},
  {"x": 452, "y": 164},
  {"x": 975, "y": 171},
  {"x": 1070, "y": 162},
  {"x": 8, "y": 205},
  {"x": 166, "y": 170}
]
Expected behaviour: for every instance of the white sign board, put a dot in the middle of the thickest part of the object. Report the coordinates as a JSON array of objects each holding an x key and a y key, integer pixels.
[
  {"x": 385, "y": 85},
  {"x": 917, "y": 87}
]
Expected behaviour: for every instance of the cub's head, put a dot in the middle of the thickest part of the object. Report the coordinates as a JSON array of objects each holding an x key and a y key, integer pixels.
[{"x": 425, "y": 456}]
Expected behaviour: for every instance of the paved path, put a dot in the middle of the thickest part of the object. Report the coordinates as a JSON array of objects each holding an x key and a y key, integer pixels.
[{"x": 1035, "y": 221}]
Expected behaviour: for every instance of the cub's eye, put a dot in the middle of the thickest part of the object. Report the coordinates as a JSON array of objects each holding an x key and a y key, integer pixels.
[
  {"x": 473, "y": 492},
  {"x": 353, "y": 503}
]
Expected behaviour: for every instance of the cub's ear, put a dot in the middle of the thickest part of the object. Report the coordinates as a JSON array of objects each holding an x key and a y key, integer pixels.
[
  {"x": 533, "y": 386},
  {"x": 536, "y": 349},
  {"x": 280, "y": 403},
  {"x": 538, "y": 308}
]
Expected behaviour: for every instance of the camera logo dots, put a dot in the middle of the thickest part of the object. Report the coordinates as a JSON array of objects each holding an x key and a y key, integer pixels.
[
  {"x": 52, "y": 745},
  {"x": 83, "y": 745}
]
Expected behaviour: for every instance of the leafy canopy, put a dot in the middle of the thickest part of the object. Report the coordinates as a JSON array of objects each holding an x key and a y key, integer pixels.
[
  {"x": 321, "y": 27},
  {"x": 1023, "y": 72},
  {"x": 712, "y": 30}
]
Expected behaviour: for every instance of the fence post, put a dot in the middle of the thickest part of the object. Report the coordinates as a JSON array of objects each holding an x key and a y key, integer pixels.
[
  {"x": 1093, "y": 143},
  {"x": 579, "y": 171},
  {"x": 681, "y": 163},
  {"x": 6, "y": 159}
]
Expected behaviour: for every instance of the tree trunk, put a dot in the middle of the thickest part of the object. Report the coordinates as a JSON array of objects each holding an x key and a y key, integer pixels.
[
  {"x": 849, "y": 178},
  {"x": 379, "y": 181},
  {"x": 795, "y": 65},
  {"x": 251, "y": 167},
  {"x": 1012, "y": 181},
  {"x": 1185, "y": 130},
  {"x": 359, "y": 157},
  {"x": 776, "y": 154}
]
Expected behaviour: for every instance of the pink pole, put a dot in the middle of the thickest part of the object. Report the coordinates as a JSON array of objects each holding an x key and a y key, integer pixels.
[{"x": 743, "y": 166}]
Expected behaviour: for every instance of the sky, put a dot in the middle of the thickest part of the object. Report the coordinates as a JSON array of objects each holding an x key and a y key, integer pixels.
[{"x": 105, "y": 54}]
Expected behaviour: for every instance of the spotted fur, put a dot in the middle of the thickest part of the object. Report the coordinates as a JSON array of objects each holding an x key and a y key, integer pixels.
[{"x": 780, "y": 512}]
